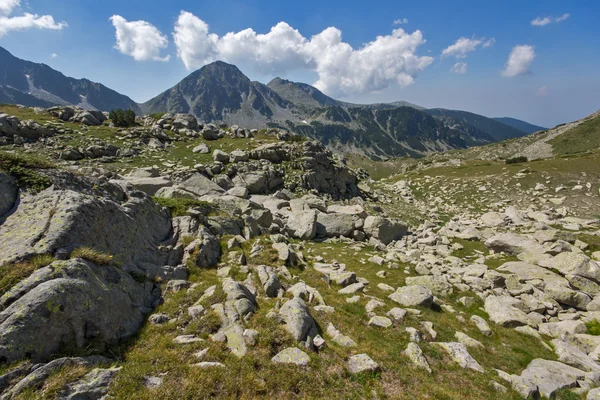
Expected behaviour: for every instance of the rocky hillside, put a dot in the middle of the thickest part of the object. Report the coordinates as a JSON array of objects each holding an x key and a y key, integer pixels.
[
  {"x": 31, "y": 84},
  {"x": 575, "y": 137},
  {"x": 177, "y": 259}
]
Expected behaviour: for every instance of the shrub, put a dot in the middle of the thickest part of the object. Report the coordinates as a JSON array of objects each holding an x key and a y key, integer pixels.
[
  {"x": 297, "y": 138},
  {"x": 593, "y": 327},
  {"x": 95, "y": 256},
  {"x": 122, "y": 118},
  {"x": 156, "y": 115},
  {"x": 516, "y": 160}
]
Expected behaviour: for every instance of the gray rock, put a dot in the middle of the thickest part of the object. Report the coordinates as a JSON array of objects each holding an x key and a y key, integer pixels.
[
  {"x": 467, "y": 340},
  {"x": 458, "y": 352},
  {"x": 269, "y": 280},
  {"x": 302, "y": 225},
  {"x": 569, "y": 263},
  {"x": 558, "y": 329},
  {"x": 513, "y": 243},
  {"x": 551, "y": 376},
  {"x": 415, "y": 354},
  {"x": 593, "y": 394},
  {"x": 185, "y": 121},
  {"x": 436, "y": 283},
  {"x": 123, "y": 223},
  {"x": 502, "y": 311},
  {"x": 411, "y": 296},
  {"x": 240, "y": 300},
  {"x": 220, "y": 156},
  {"x": 202, "y": 148},
  {"x": 362, "y": 363},
  {"x": 384, "y": 229},
  {"x": 238, "y": 191},
  {"x": 291, "y": 355},
  {"x": 338, "y": 338},
  {"x": 380, "y": 322},
  {"x": 482, "y": 325},
  {"x": 236, "y": 342},
  {"x": 205, "y": 250},
  {"x": 93, "y": 386},
  {"x": 397, "y": 314},
  {"x": 298, "y": 321},
  {"x": 351, "y": 289},
  {"x": 149, "y": 185},
  {"x": 158, "y": 319},
  {"x": 70, "y": 303},
  {"x": 335, "y": 225},
  {"x": 573, "y": 356}
]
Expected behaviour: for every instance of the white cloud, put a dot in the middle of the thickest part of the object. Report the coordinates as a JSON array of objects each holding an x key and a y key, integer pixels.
[
  {"x": 25, "y": 21},
  {"x": 53, "y": 55},
  {"x": 341, "y": 69},
  {"x": 539, "y": 21},
  {"x": 488, "y": 43},
  {"x": 519, "y": 60},
  {"x": 459, "y": 68},
  {"x": 139, "y": 39},
  {"x": 28, "y": 21},
  {"x": 543, "y": 91},
  {"x": 400, "y": 21},
  {"x": 7, "y": 6},
  {"x": 464, "y": 45}
]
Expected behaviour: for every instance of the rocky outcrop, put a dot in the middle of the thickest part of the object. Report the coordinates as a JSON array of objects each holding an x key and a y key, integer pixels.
[
  {"x": 71, "y": 304},
  {"x": 79, "y": 212}
]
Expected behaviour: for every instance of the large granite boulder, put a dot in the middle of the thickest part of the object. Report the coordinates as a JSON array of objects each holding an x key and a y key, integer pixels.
[
  {"x": 71, "y": 304},
  {"x": 384, "y": 229}
]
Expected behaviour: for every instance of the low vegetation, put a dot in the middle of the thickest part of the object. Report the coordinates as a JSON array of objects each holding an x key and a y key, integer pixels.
[
  {"x": 179, "y": 207},
  {"x": 24, "y": 168},
  {"x": 582, "y": 138},
  {"x": 516, "y": 160},
  {"x": 92, "y": 255},
  {"x": 11, "y": 274},
  {"x": 122, "y": 118}
]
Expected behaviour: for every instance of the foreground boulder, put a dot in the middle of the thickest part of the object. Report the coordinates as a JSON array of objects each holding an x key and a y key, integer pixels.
[
  {"x": 71, "y": 304},
  {"x": 384, "y": 229},
  {"x": 82, "y": 212},
  {"x": 551, "y": 376}
]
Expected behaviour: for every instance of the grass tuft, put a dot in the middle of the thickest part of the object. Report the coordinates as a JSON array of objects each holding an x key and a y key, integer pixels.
[
  {"x": 95, "y": 256},
  {"x": 11, "y": 274},
  {"x": 593, "y": 327}
]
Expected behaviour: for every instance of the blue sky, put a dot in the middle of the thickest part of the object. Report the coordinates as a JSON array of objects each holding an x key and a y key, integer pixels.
[{"x": 554, "y": 76}]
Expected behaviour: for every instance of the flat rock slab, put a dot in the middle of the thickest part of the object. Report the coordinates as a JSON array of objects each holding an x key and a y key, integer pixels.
[
  {"x": 291, "y": 355},
  {"x": 380, "y": 322},
  {"x": 411, "y": 296},
  {"x": 458, "y": 352},
  {"x": 551, "y": 376},
  {"x": 186, "y": 339},
  {"x": 362, "y": 363},
  {"x": 351, "y": 289}
]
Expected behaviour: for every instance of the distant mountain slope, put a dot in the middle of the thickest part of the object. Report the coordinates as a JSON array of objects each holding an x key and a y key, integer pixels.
[
  {"x": 221, "y": 92},
  {"x": 218, "y": 92},
  {"x": 41, "y": 85},
  {"x": 574, "y": 137},
  {"x": 520, "y": 125},
  {"x": 495, "y": 129}
]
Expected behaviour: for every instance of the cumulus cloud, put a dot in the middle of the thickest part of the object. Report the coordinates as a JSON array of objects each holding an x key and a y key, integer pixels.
[
  {"x": 25, "y": 21},
  {"x": 542, "y": 21},
  {"x": 53, "y": 55},
  {"x": 139, "y": 39},
  {"x": 464, "y": 45},
  {"x": 459, "y": 68},
  {"x": 341, "y": 69},
  {"x": 400, "y": 21},
  {"x": 7, "y": 6},
  {"x": 519, "y": 60}
]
